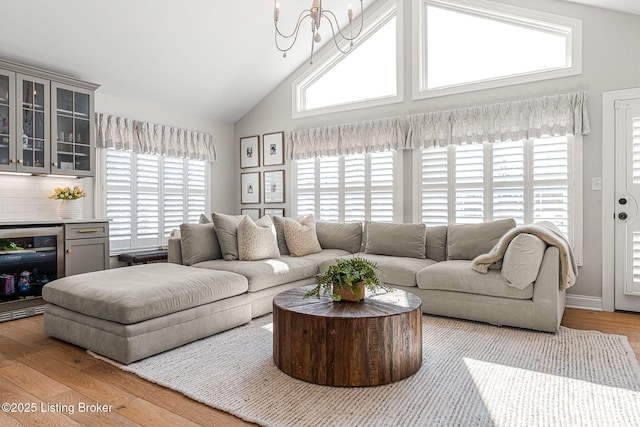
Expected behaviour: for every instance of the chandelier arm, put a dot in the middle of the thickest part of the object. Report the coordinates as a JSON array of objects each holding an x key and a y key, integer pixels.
[
  {"x": 335, "y": 41},
  {"x": 294, "y": 34},
  {"x": 326, "y": 14}
]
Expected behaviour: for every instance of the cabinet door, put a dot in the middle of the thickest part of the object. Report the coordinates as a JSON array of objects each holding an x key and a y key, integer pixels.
[
  {"x": 8, "y": 159},
  {"x": 85, "y": 255},
  {"x": 73, "y": 151},
  {"x": 33, "y": 145}
]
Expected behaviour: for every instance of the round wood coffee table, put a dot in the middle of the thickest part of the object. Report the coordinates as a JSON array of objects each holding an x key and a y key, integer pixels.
[{"x": 374, "y": 342}]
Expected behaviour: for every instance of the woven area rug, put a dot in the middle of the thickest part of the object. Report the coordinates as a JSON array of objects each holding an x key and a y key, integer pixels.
[{"x": 472, "y": 375}]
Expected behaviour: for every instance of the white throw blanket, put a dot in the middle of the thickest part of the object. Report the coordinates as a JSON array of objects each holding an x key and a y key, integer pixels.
[{"x": 550, "y": 234}]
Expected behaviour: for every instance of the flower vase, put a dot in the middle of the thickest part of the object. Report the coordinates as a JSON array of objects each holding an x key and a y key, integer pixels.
[
  {"x": 70, "y": 209},
  {"x": 347, "y": 294}
]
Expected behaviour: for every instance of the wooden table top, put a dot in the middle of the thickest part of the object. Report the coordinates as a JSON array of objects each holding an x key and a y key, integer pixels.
[{"x": 379, "y": 305}]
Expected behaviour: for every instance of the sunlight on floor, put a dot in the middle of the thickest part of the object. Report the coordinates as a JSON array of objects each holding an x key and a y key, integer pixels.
[
  {"x": 268, "y": 327},
  {"x": 514, "y": 396}
]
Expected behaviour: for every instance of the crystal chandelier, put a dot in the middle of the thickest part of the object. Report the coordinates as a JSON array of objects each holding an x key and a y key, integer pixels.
[{"x": 316, "y": 13}]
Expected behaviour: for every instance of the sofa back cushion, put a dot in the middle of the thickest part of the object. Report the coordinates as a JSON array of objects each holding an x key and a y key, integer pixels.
[
  {"x": 227, "y": 231},
  {"x": 301, "y": 236},
  {"x": 257, "y": 240},
  {"x": 522, "y": 260},
  {"x": 437, "y": 243},
  {"x": 407, "y": 240},
  {"x": 467, "y": 241},
  {"x": 340, "y": 235},
  {"x": 199, "y": 243}
]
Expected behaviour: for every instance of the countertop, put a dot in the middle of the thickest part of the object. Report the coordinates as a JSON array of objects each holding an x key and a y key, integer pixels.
[{"x": 38, "y": 222}]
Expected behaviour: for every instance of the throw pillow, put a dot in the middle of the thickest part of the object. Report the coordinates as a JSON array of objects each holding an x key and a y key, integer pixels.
[
  {"x": 340, "y": 235},
  {"x": 301, "y": 236},
  {"x": 467, "y": 241},
  {"x": 257, "y": 240},
  {"x": 407, "y": 240},
  {"x": 199, "y": 243},
  {"x": 522, "y": 260},
  {"x": 203, "y": 219},
  {"x": 227, "y": 231},
  {"x": 437, "y": 243},
  {"x": 278, "y": 222}
]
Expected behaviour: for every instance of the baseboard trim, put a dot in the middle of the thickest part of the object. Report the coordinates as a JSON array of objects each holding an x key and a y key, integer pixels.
[{"x": 584, "y": 302}]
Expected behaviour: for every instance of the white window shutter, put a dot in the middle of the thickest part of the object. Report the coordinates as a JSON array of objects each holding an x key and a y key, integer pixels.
[{"x": 119, "y": 205}]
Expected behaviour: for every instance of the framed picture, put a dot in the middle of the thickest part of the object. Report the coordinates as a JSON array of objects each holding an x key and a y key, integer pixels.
[
  {"x": 250, "y": 152},
  {"x": 274, "y": 211},
  {"x": 273, "y": 149},
  {"x": 249, "y": 188},
  {"x": 273, "y": 186},
  {"x": 253, "y": 213}
]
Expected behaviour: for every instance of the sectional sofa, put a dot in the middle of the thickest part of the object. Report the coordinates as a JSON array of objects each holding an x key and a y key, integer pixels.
[{"x": 209, "y": 285}]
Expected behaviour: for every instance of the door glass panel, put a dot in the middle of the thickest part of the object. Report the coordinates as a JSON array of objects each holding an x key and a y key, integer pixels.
[
  {"x": 81, "y": 105},
  {"x": 65, "y": 129},
  {"x": 27, "y": 128},
  {"x": 39, "y": 96},
  {"x": 635, "y": 144},
  {"x": 4, "y": 89},
  {"x": 27, "y": 152},
  {"x": 65, "y": 101},
  {"x": 27, "y": 93},
  {"x": 82, "y": 131},
  {"x": 39, "y": 125},
  {"x": 4, "y": 150},
  {"x": 4, "y": 119}
]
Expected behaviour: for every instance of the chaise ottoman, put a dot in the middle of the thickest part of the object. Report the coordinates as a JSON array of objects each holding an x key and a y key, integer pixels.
[{"x": 130, "y": 313}]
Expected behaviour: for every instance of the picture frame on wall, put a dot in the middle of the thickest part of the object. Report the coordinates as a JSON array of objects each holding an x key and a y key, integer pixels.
[
  {"x": 273, "y": 186},
  {"x": 250, "y": 152},
  {"x": 254, "y": 213},
  {"x": 274, "y": 211},
  {"x": 249, "y": 188},
  {"x": 273, "y": 149}
]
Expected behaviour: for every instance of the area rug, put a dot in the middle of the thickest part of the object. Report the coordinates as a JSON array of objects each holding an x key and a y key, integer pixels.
[{"x": 472, "y": 374}]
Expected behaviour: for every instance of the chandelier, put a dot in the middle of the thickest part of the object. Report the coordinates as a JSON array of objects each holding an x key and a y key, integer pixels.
[{"x": 316, "y": 13}]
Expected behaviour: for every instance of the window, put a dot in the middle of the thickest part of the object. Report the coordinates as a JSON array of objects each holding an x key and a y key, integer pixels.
[
  {"x": 470, "y": 45},
  {"x": 147, "y": 196},
  {"x": 369, "y": 73},
  {"x": 530, "y": 181},
  {"x": 348, "y": 188}
]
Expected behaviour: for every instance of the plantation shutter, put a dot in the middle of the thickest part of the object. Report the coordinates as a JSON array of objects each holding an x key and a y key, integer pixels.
[
  {"x": 147, "y": 199},
  {"x": 435, "y": 190},
  {"x": 119, "y": 204},
  {"x": 469, "y": 183},
  {"x": 382, "y": 197},
  {"x": 509, "y": 182},
  {"x": 550, "y": 182},
  {"x": 355, "y": 175},
  {"x": 196, "y": 191},
  {"x": 174, "y": 194}
]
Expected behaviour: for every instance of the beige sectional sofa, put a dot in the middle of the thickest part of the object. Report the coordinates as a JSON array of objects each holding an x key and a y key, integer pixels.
[{"x": 134, "y": 312}]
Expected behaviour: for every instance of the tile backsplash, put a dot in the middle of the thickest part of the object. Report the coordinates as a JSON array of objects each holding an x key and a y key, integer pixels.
[{"x": 26, "y": 197}]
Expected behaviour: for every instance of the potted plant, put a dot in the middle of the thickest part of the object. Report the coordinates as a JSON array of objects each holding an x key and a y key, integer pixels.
[
  {"x": 347, "y": 280},
  {"x": 69, "y": 207}
]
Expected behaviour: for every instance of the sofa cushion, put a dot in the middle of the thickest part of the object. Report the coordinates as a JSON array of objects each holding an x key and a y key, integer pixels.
[
  {"x": 522, "y": 260},
  {"x": 278, "y": 223},
  {"x": 257, "y": 240},
  {"x": 132, "y": 294},
  {"x": 266, "y": 273},
  {"x": 227, "y": 230},
  {"x": 340, "y": 235},
  {"x": 437, "y": 243},
  {"x": 403, "y": 240},
  {"x": 301, "y": 236},
  {"x": 199, "y": 243},
  {"x": 457, "y": 276},
  {"x": 326, "y": 256},
  {"x": 467, "y": 241},
  {"x": 393, "y": 270}
]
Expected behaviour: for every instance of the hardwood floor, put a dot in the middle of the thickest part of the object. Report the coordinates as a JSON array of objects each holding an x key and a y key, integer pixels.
[{"x": 37, "y": 369}]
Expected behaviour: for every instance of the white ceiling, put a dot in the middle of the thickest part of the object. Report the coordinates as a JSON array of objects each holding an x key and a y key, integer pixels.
[{"x": 211, "y": 58}]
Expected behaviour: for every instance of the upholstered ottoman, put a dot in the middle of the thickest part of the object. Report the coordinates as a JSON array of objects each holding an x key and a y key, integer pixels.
[{"x": 131, "y": 313}]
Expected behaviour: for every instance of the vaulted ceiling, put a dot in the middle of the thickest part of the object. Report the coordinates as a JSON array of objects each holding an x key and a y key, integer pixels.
[{"x": 211, "y": 58}]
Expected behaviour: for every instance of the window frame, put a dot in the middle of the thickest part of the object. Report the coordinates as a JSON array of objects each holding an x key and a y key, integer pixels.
[
  {"x": 342, "y": 189},
  {"x": 162, "y": 240},
  {"x": 329, "y": 56},
  {"x": 526, "y": 18},
  {"x": 574, "y": 187}
]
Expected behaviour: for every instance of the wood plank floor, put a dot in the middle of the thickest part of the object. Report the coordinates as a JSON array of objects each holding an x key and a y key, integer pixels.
[{"x": 35, "y": 368}]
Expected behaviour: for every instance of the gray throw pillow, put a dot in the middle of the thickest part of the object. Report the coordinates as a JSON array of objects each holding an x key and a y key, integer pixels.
[
  {"x": 203, "y": 219},
  {"x": 227, "y": 231},
  {"x": 340, "y": 235},
  {"x": 278, "y": 223},
  {"x": 407, "y": 240},
  {"x": 467, "y": 241},
  {"x": 199, "y": 243},
  {"x": 437, "y": 243}
]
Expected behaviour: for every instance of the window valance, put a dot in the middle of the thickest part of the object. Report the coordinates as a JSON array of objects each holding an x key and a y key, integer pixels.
[
  {"x": 344, "y": 139},
  {"x": 148, "y": 138},
  {"x": 564, "y": 114}
]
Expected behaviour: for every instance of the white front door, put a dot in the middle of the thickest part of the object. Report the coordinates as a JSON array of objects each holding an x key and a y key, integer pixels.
[{"x": 627, "y": 191}]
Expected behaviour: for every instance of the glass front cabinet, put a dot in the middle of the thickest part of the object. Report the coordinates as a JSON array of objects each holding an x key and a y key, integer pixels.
[{"x": 46, "y": 122}]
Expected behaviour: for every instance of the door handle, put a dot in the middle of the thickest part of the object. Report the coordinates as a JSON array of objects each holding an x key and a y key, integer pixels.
[{"x": 623, "y": 215}]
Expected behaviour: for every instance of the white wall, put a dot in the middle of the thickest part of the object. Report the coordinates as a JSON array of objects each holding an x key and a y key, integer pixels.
[{"x": 610, "y": 62}]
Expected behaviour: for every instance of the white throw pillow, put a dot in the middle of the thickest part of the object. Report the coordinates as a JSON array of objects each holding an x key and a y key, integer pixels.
[
  {"x": 257, "y": 240},
  {"x": 301, "y": 236},
  {"x": 522, "y": 260}
]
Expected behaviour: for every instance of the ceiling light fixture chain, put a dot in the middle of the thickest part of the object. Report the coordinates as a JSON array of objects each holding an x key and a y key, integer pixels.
[{"x": 316, "y": 13}]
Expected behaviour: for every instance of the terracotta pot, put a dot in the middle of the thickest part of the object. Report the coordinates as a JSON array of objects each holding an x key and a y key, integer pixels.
[{"x": 346, "y": 293}]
